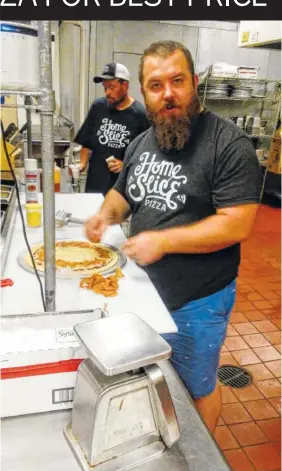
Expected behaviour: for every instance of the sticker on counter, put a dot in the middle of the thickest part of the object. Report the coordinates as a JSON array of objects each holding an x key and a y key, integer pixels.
[
  {"x": 62, "y": 395},
  {"x": 65, "y": 335}
]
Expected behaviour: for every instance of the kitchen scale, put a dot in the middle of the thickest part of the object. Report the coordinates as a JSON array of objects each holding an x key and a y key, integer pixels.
[{"x": 123, "y": 415}]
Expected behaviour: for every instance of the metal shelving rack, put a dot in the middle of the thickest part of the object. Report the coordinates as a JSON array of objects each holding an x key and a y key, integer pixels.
[
  {"x": 271, "y": 97},
  {"x": 46, "y": 107}
]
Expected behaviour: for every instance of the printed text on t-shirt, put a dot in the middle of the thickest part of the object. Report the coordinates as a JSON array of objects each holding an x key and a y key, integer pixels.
[
  {"x": 113, "y": 134},
  {"x": 158, "y": 182}
]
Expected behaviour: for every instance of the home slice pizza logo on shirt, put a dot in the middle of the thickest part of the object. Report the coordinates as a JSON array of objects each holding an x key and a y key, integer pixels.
[
  {"x": 158, "y": 182},
  {"x": 113, "y": 134}
]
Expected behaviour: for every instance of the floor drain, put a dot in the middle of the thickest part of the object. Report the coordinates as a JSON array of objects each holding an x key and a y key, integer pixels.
[{"x": 234, "y": 376}]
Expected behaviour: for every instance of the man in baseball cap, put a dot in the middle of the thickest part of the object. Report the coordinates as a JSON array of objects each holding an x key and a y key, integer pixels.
[
  {"x": 114, "y": 70},
  {"x": 111, "y": 124}
]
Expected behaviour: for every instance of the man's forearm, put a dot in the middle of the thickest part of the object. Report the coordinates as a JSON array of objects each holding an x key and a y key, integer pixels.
[
  {"x": 115, "y": 208},
  {"x": 208, "y": 235},
  {"x": 84, "y": 157}
]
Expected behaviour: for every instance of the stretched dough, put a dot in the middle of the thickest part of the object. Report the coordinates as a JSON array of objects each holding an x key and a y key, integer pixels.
[{"x": 84, "y": 258}]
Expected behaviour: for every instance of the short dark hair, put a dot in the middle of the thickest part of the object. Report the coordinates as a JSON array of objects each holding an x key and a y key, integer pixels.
[
  {"x": 121, "y": 81},
  {"x": 165, "y": 49}
]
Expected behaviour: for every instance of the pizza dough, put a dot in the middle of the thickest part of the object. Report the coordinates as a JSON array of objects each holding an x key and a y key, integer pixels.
[{"x": 84, "y": 258}]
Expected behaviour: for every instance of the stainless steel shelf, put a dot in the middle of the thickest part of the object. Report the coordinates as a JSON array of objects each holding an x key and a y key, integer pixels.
[
  {"x": 232, "y": 79},
  {"x": 230, "y": 98}
]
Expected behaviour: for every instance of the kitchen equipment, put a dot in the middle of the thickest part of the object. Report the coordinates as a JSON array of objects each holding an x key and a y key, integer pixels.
[
  {"x": 123, "y": 414},
  {"x": 19, "y": 70},
  {"x": 62, "y": 218},
  {"x": 75, "y": 173},
  {"x": 2, "y": 219},
  {"x": 19, "y": 46},
  {"x": 242, "y": 92},
  {"x": 8, "y": 201},
  {"x": 6, "y": 194},
  {"x": 10, "y": 131},
  {"x": 240, "y": 122},
  {"x": 249, "y": 124},
  {"x": 214, "y": 89},
  {"x": 256, "y": 125},
  {"x": 4, "y": 162}
]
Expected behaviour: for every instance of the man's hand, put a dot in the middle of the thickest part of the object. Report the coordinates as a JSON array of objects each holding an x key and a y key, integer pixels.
[
  {"x": 145, "y": 248},
  {"x": 95, "y": 228},
  {"x": 115, "y": 166}
]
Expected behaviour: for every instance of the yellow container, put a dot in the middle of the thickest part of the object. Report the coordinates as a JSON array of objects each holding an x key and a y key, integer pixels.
[
  {"x": 4, "y": 161},
  {"x": 34, "y": 214},
  {"x": 57, "y": 178}
]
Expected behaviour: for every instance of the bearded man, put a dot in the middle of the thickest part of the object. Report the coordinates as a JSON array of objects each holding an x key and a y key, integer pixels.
[
  {"x": 191, "y": 183},
  {"x": 112, "y": 123}
]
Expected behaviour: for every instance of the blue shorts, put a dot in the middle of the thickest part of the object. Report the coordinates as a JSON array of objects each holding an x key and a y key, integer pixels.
[{"x": 202, "y": 328}]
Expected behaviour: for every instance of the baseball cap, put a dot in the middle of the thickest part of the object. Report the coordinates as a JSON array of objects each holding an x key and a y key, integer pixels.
[{"x": 111, "y": 71}]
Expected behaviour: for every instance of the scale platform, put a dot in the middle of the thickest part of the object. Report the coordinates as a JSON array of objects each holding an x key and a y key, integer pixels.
[{"x": 131, "y": 343}]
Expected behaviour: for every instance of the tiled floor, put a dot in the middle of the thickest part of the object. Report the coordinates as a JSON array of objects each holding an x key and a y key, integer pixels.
[{"x": 249, "y": 432}]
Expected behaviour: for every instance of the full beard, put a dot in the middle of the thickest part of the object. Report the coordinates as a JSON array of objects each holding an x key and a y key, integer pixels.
[
  {"x": 112, "y": 105},
  {"x": 174, "y": 132}
]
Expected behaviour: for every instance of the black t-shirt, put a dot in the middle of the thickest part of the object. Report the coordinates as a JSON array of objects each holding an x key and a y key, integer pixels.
[
  {"x": 108, "y": 132},
  {"x": 216, "y": 169}
]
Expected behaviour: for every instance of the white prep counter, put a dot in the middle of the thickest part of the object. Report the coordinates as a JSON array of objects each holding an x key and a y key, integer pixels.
[{"x": 136, "y": 292}]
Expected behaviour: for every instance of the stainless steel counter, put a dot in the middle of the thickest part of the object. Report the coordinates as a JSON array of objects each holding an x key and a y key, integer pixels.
[{"x": 36, "y": 442}]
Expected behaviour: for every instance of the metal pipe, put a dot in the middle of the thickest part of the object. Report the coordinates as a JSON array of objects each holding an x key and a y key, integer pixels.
[
  {"x": 31, "y": 107},
  {"x": 28, "y": 128},
  {"x": 47, "y": 151},
  {"x": 18, "y": 92}
]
